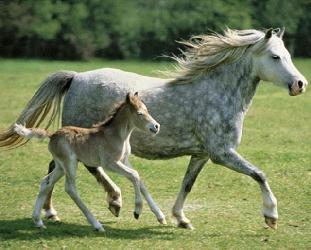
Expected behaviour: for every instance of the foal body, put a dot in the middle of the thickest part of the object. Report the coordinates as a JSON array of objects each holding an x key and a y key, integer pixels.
[{"x": 102, "y": 145}]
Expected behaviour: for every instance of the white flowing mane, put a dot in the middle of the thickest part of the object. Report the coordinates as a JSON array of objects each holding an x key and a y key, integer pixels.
[{"x": 207, "y": 52}]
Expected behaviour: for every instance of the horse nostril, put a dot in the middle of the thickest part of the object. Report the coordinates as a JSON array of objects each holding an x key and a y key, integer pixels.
[
  {"x": 300, "y": 84},
  {"x": 156, "y": 126}
]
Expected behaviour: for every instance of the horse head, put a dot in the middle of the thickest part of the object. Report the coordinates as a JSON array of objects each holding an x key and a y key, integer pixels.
[{"x": 272, "y": 62}]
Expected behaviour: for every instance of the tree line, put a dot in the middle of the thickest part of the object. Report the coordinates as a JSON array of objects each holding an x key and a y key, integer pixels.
[{"x": 117, "y": 29}]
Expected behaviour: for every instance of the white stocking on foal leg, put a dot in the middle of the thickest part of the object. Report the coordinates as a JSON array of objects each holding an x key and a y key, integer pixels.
[{"x": 46, "y": 185}]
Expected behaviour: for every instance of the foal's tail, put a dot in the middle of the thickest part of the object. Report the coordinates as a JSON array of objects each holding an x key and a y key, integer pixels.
[
  {"x": 30, "y": 133},
  {"x": 45, "y": 102}
]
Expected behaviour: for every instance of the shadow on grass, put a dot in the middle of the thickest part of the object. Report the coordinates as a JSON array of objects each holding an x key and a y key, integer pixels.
[{"x": 23, "y": 229}]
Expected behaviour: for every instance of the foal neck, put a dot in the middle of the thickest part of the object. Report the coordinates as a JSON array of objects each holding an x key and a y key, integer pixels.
[{"x": 121, "y": 125}]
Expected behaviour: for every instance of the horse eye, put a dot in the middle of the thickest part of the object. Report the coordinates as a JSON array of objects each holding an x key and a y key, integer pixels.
[{"x": 275, "y": 57}]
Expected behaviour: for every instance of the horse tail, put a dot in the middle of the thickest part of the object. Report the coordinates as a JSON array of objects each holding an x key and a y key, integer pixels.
[
  {"x": 45, "y": 102},
  {"x": 30, "y": 133}
]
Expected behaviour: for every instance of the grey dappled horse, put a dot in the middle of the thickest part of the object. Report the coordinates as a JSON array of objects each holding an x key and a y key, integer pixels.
[{"x": 201, "y": 109}]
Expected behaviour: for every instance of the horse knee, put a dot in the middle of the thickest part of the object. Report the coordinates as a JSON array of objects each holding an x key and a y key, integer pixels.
[
  {"x": 135, "y": 176},
  {"x": 259, "y": 176},
  {"x": 69, "y": 190}
]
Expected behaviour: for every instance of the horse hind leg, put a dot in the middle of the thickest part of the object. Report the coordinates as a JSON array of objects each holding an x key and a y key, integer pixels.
[
  {"x": 194, "y": 168},
  {"x": 50, "y": 212},
  {"x": 46, "y": 186},
  {"x": 114, "y": 198}
]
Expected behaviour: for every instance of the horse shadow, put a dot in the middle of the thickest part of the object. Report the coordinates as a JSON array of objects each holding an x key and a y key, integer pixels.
[{"x": 23, "y": 229}]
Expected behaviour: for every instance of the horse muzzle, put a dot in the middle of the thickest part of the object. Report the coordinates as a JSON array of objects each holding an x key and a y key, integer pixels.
[{"x": 297, "y": 87}]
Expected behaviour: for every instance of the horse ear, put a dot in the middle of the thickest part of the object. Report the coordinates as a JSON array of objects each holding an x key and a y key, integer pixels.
[
  {"x": 268, "y": 34},
  {"x": 128, "y": 97},
  {"x": 280, "y": 34},
  {"x": 136, "y": 94}
]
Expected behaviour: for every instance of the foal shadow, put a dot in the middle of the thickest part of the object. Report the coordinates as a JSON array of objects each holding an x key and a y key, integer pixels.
[{"x": 23, "y": 229}]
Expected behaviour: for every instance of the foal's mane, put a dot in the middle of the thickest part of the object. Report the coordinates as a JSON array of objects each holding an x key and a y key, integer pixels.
[
  {"x": 111, "y": 116},
  {"x": 207, "y": 52}
]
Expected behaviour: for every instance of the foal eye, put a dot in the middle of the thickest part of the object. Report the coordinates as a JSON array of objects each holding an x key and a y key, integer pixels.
[{"x": 275, "y": 57}]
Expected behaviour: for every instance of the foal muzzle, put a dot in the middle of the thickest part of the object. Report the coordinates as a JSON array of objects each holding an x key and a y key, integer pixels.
[{"x": 154, "y": 128}]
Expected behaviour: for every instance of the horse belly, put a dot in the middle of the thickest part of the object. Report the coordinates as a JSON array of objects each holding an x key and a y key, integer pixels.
[{"x": 88, "y": 103}]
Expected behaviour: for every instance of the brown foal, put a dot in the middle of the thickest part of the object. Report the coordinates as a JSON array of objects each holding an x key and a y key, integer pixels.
[{"x": 102, "y": 145}]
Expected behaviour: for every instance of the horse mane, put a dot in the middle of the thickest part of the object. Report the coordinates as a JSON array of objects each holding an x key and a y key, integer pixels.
[
  {"x": 111, "y": 116},
  {"x": 207, "y": 52}
]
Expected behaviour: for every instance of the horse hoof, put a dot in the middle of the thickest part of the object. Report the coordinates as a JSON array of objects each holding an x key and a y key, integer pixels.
[
  {"x": 41, "y": 227},
  {"x": 136, "y": 215},
  {"x": 185, "y": 225},
  {"x": 114, "y": 209},
  {"x": 271, "y": 222},
  {"x": 100, "y": 229},
  {"x": 53, "y": 218},
  {"x": 162, "y": 221}
]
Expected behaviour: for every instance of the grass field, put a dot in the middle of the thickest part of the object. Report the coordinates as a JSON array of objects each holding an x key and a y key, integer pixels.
[{"x": 224, "y": 206}]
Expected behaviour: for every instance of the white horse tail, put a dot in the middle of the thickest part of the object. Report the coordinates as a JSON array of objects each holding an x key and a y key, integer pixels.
[
  {"x": 45, "y": 102},
  {"x": 30, "y": 133}
]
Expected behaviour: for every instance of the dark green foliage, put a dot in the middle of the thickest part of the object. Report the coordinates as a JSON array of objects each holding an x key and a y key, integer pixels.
[{"x": 68, "y": 29}]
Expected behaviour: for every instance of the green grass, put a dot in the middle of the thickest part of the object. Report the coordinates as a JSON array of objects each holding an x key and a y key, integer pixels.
[{"x": 223, "y": 206}]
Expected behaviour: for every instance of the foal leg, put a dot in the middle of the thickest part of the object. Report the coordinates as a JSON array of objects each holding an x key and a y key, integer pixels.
[
  {"x": 70, "y": 187},
  {"x": 153, "y": 206},
  {"x": 234, "y": 161},
  {"x": 133, "y": 176},
  {"x": 50, "y": 212},
  {"x": 114, "y": 197},
  {"x": 46, "y": 186},
  {"x": 194, "y": 168}
]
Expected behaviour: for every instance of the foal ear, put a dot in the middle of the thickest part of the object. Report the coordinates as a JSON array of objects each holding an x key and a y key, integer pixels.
[{"x": 268, "y": 34}]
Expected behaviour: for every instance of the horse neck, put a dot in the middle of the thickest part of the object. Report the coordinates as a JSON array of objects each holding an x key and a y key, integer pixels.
[
  {"x": 235, "y": 80},
  {"x": 121, "y": 125}
]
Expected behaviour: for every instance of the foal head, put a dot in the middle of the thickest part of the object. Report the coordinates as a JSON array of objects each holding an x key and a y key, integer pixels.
[{"x": 140, "y": 116}]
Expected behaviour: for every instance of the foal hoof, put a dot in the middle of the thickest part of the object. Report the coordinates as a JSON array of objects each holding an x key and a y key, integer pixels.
[
  {"x": 185, "y": 225},
  {"x": 162, "y": 221},
  {"x": 114, "y": 209},
  {"x": 136, "y": 215},
  {"x": 271, "y": 222}
]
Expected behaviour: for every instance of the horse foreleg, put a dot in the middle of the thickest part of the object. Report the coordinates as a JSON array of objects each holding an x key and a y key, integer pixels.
[
  {"x": 50, "y": 212},
  {"x": 114, "y": 198},
  {"x": 234, "y": 161},
  {"x": 153, "y": 206},
  {"x": 194, "y": 168}
]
